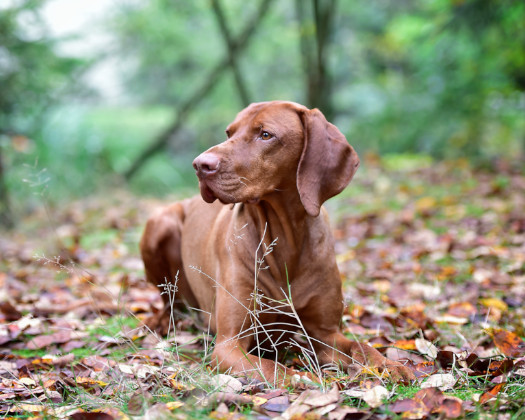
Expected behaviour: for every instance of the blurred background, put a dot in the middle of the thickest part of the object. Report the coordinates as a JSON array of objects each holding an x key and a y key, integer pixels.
[{"x": 105, "y": 94}]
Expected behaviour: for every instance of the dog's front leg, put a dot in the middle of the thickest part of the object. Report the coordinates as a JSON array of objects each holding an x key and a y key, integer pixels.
[{"x": 231, "y": 356}]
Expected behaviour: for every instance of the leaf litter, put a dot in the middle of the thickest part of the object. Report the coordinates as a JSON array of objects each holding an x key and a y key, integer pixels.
[{"x": 433, "y": 267}]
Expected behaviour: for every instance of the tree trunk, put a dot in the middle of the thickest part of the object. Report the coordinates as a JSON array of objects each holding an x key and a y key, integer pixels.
[
  {"x": 230, "y": 48},
  {"x": 6, "y": 217},
  {"x": 314, "y": 45}
]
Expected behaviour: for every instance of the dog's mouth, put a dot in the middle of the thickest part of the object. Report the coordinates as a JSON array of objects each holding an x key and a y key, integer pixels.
[
  {"x": 212, "y": 193},
  {"x": 206, "y": 192}
]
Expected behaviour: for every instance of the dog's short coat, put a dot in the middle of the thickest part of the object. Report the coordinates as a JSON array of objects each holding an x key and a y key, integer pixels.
[{"x": 259, "y": 234}]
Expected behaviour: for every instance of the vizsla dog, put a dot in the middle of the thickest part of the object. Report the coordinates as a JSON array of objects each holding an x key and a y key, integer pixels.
[{"x": 260, "y": 240}]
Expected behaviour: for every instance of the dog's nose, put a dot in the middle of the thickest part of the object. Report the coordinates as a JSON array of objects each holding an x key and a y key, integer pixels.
[{"x": 206, "y": 164}]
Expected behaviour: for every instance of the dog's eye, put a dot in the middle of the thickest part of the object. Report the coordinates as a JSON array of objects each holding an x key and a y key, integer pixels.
[{"x": 265, "y": 135}]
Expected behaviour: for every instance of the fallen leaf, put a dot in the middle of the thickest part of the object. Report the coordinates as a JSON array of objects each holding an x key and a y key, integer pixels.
[
  {"x": 144, "y": 371},
  {"x": 431, "y": 397},
  {"x": 451, "y": 407},
  {"x": 173, "y": 405},
  {"x": 450, "y": 319},
  {"x": 89, "y": 381},
  {"x": 491, "y": 393},
  {"x": 226, "y": 383},
  {"x": 508, "y": 343},
  {"x": 10, "y": 312},
  {"x": 276, "y": 404},
  {"x": 32, "y": 408},
  {"x": 312, "y": 400},
  {"x": 91, "y": 416},
  {"x": 405, "y": 344},
  {"x": 230, "y": 398},
  {"x": 442, "y": 381},
  {"x": 42, "y": 341},
  {"x": 426, "y": 347},
  {"x": 179, "y": 386},
  {"x": 424, "y": 369},
  {"x": 374, "y": 397},
  {"x": 138, "y": 402},
  {"x": 411, "y": 408},
  {"x": 27, "y": 381},
  {"x": 446, "y": 359},
  {"x": 125, "y": 368},
  {"x": 98, "y": 363},
  {"x": 494, "y": 303},
  {"x": 462, "y": 309}
]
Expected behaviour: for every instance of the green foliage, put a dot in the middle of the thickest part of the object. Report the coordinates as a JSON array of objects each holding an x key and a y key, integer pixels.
[
  {"x": 33, "y": 79},
  {"x": 442, "y": 78},
  {"x": 438, "y": 77},
  {"x": 31, "y": 72}
]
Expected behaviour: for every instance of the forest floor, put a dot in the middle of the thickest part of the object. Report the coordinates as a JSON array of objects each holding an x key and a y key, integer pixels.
[{"x": 433, "y": 266}]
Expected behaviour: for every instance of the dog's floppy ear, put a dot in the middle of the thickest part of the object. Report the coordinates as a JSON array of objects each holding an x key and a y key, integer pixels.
[{"x": 327, "y": 163}]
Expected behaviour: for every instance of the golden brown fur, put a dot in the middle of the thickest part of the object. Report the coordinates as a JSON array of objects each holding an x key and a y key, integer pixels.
[{"x": 265, "y": 184}]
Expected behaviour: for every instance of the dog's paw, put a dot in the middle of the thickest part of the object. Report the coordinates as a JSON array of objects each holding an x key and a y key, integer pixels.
[{"x": 398, "y": 372}]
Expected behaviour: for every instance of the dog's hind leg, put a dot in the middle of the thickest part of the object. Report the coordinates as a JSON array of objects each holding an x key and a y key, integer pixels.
[{"x": 160, "y": 247}]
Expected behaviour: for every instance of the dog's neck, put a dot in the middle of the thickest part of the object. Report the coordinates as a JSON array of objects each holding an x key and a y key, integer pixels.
[{"x": 281, "y": 215}]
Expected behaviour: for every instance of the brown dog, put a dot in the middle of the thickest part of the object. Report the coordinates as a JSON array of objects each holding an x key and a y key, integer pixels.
[{"x": 264, "y": 266}]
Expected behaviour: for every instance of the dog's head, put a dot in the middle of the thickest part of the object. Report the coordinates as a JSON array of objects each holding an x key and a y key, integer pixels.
[{"x": 275, "y": 147}]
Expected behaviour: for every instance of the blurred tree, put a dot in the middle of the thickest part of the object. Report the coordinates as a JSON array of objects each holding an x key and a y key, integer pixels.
[
  {"x": 32, "y": 78},
  {"x": 315, "y": 34},
  {"x": 32, "y": 74},
  {"x": 444, "y": 77},
  {"x": 315, "y": 23},
  {"x": 209, "y": 79},
  {"x": 6, "y": 218},
  {"x": 231, "y": 46},
  {"x": 444, "y": 74}
]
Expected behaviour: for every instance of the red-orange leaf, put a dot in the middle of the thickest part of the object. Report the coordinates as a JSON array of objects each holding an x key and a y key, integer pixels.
[
  {"x": 508, "y": 343},
  {"x": 491, "y": 393}
]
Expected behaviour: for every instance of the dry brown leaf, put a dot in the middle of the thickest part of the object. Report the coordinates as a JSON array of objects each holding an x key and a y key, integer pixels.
[
  {"x": 231, "y": 398},
  {"x": 276, "y": 404},
  {"x": 312, "y": 400},
  {"x": 508, "y": 343},
  {"x": 462, "y": 309},
  {"x": 451, "y": 407},
  {"x": 411, "y": 408},
  {"x": 89, "y": 381},
  {"x": 426, "y": 347},
  {"x": 42, "y": 341},
  {"x": 91, "y": 416},
  {"x": 138, "y": 402}
]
